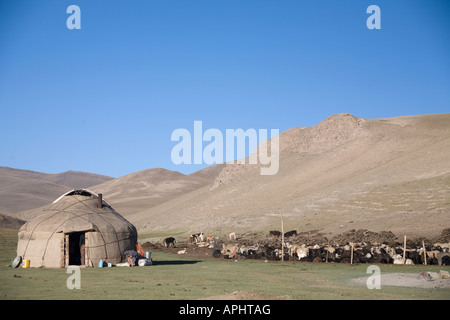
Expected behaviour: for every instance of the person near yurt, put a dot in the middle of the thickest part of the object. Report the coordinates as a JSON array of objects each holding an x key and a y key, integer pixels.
[{"x": 78, "y": 228}]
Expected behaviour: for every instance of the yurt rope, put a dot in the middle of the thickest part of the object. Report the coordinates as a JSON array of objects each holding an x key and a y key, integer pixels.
[
  {"x": 115, "y": 232},
  {"x": 38, "y": 224},
  {"x": 82, "y": 216},
  {"x": 129, "y": 225},
  {"x": 64, "y": 221}
]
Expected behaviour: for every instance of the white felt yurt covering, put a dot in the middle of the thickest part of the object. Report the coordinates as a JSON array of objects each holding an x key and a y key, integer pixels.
[{"x": 75, "y": 230}]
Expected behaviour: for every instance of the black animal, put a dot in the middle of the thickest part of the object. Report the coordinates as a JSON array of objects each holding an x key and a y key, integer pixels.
[
  {"x": 169, "y": 241},
  {"x": 415, "y": 256},
  {"x": 217, "y": 253},
  {"x": 274, "y": 233},
  {"x": 290, "y": 233},
  {"x": 382, "y": 257},
  {"x": 268, "y": 252}
]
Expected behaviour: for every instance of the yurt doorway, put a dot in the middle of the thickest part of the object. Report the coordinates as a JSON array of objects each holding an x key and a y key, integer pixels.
[{"x": 75, "y": 248}]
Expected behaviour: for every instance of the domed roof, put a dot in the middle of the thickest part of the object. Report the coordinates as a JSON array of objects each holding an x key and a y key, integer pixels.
[
  {"x": 78, "y": 210},
  {"x": 44, "y": 240}
]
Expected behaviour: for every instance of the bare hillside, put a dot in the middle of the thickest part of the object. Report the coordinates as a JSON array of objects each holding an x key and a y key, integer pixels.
[
  {"x": 145, "y": 189},
  {"x": 7, "y": 221},
  {"x": 23, "y": 189},
  {"x": 128, "y": 194},
  {"x": 344, "y": 173}
]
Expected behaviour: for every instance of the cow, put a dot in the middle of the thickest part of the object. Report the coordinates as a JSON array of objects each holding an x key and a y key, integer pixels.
[
  {"x": 290, "y": 233},
  {"x": 169, "y": 241},
  {"x": 199, "y": 237},
  {"x": 275, "y": 233}
]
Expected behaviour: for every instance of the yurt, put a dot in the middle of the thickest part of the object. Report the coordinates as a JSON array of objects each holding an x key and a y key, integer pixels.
[{"x": 78, "y": 228}]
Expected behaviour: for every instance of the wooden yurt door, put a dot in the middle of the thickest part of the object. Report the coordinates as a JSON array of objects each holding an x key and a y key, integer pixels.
[
  {"x": 66, "y": 249},
  {"x": 75, "y": 252}
]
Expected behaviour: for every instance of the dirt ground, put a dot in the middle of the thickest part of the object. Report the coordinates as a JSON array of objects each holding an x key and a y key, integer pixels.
[
  {"x": 416, "y": 280},
  {"x": 244, "y": 295},
  {"x": 428, "y": 280},
  {"x": 310, "y": 238},
  {"x": 192, "y": 251}
]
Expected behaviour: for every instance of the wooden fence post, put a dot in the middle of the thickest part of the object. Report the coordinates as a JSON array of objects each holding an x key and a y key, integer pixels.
[
  {"x": 282, "y": 236},
  {"x": 404, "y": 250},
  {"x": 351, "y": 256},
  {"x": 424, "y": 253}
]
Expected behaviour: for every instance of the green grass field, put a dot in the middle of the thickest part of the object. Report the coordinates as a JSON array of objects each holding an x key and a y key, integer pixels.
[{"x": 175, "y": 277}]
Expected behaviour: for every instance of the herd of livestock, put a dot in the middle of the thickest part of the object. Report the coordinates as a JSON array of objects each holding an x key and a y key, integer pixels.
[{"x": 296, "y": 248}]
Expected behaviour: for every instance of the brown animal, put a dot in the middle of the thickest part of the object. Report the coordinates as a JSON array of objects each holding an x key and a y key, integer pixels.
[
  {"x": 275, "y": 233},
  {"x": 230, "y": 251},
  {"x": 198, "y": 237}
]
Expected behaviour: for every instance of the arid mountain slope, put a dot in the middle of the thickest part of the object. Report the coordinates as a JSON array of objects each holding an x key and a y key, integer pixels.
[
  {"x": 22, "y": 189},
  {"x": 148, "y": 188},
  {"x": 344, "y": 173},
  {"x": 128, "y": 194}
]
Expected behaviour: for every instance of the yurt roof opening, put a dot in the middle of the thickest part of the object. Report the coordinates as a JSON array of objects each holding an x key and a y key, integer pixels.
[{"x": 78, "y": 228}]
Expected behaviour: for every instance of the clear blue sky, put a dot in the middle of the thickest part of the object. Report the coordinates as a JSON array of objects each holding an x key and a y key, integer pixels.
[{"x": 106, "y": 98}]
